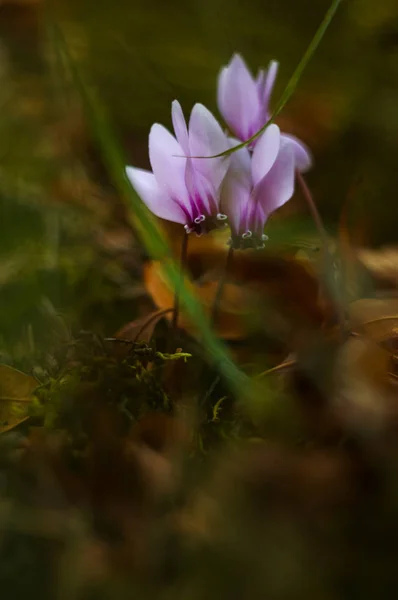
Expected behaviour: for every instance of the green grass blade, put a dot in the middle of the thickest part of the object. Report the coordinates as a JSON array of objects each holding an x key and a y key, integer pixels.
[{"x": 146, "y": 226}]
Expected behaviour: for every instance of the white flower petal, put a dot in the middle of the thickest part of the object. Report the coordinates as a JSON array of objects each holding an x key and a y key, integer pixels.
[
  {"x": 277, "y": 187},
  {"x": 168, "y": 167},
  {"x": 156, "y": 200},
  {"x": 265, "y": 152},
  {"x": 180, "y": 126},
  {"x": 302, "y": 155},
  {"x": 206, "y": 138},
  {"x": 236, "y": 188},
  {"x": 238, "y": 98}
]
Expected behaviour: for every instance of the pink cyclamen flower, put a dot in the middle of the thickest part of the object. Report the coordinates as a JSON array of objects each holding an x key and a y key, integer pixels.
[
  {"x": 244, "y": 101},
  {"x": 257, "y": 184},
  {"x": 182, "y": 189}
]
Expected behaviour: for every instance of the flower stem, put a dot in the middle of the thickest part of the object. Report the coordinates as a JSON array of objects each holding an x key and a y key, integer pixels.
[
  {"x": 183, "y": 258},
  {"x": 220, "y": 288},
  {"x": 313, "y": 209},
  {"x": 328, "y": 260}
]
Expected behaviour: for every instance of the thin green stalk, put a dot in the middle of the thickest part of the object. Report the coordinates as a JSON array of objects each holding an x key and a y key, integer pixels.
[
  {"x": 183, "y": 259},
  {"x": 327, "y": 257},
  {"x": 313, "y": 210},
  {"x": 221, "y": 284}
]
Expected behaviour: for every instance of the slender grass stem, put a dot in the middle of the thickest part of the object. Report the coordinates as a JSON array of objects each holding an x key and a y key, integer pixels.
[
  {"x": 204, "y": 394},
  {"x": 281, "y": 367},
  {"x": 220, "y": 288},
  {"x": 327, "y": 257},
  {"x": 313, "y": 210},
  {"x": 183, "y": 259}
]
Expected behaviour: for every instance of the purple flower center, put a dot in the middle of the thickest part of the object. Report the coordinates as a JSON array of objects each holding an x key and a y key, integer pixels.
[
  {"x": 203, "y": 224},
  {"x": 248, "y": 239}
]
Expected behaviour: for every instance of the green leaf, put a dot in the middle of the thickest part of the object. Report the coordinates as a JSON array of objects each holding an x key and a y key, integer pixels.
[
  {"x": 293, "y": 82},
  {"x": 16, "y": 392}
]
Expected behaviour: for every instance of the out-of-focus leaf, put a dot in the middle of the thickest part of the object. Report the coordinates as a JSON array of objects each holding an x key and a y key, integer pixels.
[
  {"x": 375, "y": 317},
  {"x": 232, "y": 306},
  {"x": 142, "y": 329},
  {"x": 16, "y": 389},
  {"x": 382, "y": 264},
  {"x": 286, "y": 285},
  {"x": 365, "y": 399}
]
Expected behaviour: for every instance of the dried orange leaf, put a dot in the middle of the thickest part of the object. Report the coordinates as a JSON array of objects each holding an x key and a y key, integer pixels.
[
  {"x": 375, "y": 317},
  {"x": 382, "y": 264},
  {"x": 16, "y": 390},
  {"x": 142, "y": 329},
  {"x": 229, "y": 324},
  {"x": 365, "y": 398}
]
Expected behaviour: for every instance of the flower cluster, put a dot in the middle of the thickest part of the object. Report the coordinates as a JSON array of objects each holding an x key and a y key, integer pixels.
[{"x": 242, "y": 188}]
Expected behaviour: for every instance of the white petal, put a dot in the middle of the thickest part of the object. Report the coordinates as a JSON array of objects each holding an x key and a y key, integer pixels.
[
  {"x": 302, "y": 155},
  {"x": 168, "y": 167},
  {"x": 206, "y": 138},
  {"x": 265, "y": 152},
  {"x": 238, "y": 98},
  {"x": 277, "y": 186},
  {"x": 201, "y": 191},
  {"x": 180, "y": 126},
  {"x": 157, "y": 200},
  {"x": 236, "y": 188},
  {"x": 268, "y": 84}
]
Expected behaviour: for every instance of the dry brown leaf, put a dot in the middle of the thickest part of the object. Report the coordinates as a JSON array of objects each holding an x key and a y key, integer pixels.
[
  {"x": 228, "y": 324},
  {"x": 16, "y": 390},
  {"x": 382, "y": 264},
  {"x": 142, "y": 329},
  {"x": 375, "y": 317},
  {"x": 255, "y": 281},
  {"x": 366, "y": 398}
]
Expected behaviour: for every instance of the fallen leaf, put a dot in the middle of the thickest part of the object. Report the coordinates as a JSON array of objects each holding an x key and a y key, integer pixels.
[
  {"x": 255, "y": 281},
  {"x": 142, "y": 329},
  {"x": 16, "y": 390},
  {"x": 382, "y": 264},
  {"x": 228, "y": 324},
  {"x": 365, "y": 397},
  {"x": 376, "y": 318}
]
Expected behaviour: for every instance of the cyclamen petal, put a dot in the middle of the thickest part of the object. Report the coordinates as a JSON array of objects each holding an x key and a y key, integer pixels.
[
  {"x": 202, "y": 194},
  {"x": 157, "y": 201},
  {"x": 168, "y": 168},
  {"x": 206, "y": 138},
  {"x": 277, "y": 187},
  {"x": 302, "y": 155},
  {"x": 180, "y": 126},
  {"x": 238, "y": 98},
  {"x": 266, "y": 82},
  {"x": 236, "y": 188},
  {"x": 265, "y": 152}
]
